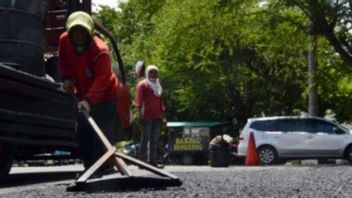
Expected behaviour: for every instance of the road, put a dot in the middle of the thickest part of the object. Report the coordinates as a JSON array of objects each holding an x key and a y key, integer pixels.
[{"x": 198, "y": 181}]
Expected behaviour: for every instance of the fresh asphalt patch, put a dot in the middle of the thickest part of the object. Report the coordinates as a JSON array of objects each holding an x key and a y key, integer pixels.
[{"x": 204, "y": 181}]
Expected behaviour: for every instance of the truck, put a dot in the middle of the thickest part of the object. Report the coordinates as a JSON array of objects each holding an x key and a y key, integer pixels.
[{"x": 36, "y": 115}]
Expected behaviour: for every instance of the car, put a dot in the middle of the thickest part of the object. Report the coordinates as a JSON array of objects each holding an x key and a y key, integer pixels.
[{"x": 296, "y": 137}]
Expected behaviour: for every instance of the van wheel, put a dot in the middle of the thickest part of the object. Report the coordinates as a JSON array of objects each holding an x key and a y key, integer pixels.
[
  {"x": 6, "y": 156},
  {"x": 267, "y": 155},
  {"x": 348, "y": 154}
]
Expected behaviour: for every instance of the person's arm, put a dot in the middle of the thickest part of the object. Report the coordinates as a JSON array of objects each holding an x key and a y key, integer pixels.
[
  {"x": 139, "y": 100},
  {"x": 103, "y": 77},
  {"x": 163, "y": 109},
  {"x": 68, "y": 85},
  {"x": 84, "y": 104},
  {"x": 140, "y": 113},
  {"x": 64, "y": 67}
]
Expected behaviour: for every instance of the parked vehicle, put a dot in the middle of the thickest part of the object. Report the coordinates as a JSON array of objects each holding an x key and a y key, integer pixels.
[
  {"x": 293, "y": 137},
  {"x": 36, "y": 116}
]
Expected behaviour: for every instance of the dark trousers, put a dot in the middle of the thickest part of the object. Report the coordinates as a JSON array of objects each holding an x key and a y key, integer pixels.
[
  {"x": 149, "y": 139},
  {"x": 90, "y": 146}
]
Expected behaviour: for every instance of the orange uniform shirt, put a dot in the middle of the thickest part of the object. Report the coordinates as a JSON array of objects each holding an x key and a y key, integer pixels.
[{"x": 90, "y": 70}]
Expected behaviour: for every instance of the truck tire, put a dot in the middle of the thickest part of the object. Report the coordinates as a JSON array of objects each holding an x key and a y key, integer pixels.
[{"x": 6, "y": 158}]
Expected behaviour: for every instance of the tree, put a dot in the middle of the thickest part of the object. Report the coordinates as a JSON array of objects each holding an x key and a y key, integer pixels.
[
  {"x": 330, "y": 19},
  {"x": 221, "y": 60}
]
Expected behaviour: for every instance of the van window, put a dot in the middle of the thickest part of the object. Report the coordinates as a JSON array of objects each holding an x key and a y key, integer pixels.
[
  {"x": 296, "y": 125},
  {"x": 289, "y": 125},
  {"x": 319, "y": 126},
  {"x": 282, "y": 125},
  {"x": 264, "y": 125}
]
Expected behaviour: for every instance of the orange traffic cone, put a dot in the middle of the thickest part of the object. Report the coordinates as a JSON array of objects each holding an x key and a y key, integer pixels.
[{"x": 252, "y": 158}]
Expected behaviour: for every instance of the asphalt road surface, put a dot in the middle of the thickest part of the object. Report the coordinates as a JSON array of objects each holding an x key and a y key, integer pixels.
[{"x": 198, "y": 181}]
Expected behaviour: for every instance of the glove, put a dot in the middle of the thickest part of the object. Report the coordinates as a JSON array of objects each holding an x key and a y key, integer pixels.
[
  {"x": 68, "y": 86},
  {"x": 83, "y": 104}
]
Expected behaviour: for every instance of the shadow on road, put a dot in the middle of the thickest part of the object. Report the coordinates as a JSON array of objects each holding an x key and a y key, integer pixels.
[
  {"x": 21, "y": 179},
  {"x": 109, "y": 184}
]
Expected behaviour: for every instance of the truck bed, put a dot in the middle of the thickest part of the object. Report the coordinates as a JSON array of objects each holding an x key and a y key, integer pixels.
[{"x": 34, "y": 111}]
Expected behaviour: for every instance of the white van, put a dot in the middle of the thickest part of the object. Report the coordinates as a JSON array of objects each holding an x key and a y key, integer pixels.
[{"x": 293, "y": 137}]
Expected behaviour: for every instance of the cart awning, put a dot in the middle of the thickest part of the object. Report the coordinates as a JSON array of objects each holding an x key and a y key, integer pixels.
[{"x": 194, "y": 124}]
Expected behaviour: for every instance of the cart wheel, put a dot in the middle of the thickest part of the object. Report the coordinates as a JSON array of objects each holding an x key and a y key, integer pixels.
[
  {"x": 171, "y": 159},
  {"x": 186, "y": 159},
  {"x": 6, "y": 155}
]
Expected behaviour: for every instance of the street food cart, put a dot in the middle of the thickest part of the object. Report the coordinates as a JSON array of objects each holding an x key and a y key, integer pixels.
[{"x": 188, "y": 142}]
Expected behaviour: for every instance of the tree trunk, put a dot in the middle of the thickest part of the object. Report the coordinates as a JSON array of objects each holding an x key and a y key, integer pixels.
[{"x": 312, "y": 69}]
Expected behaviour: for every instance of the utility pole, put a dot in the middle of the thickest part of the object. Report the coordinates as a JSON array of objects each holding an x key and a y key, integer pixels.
[{"x": 312, "y": 70}]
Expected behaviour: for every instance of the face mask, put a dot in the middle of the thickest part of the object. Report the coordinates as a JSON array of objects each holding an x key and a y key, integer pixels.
[{"x": 152, "y": 80}]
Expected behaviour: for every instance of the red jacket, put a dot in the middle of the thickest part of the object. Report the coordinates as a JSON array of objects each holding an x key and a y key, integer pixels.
[
  {"x": 153, "y": 106},
  {"x": 90, "y": 70}
]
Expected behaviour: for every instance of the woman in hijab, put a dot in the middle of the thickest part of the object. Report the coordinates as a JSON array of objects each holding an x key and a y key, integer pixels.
[
  {"x": 151, "y": 110},
  {"x": 85, "y": 69}
]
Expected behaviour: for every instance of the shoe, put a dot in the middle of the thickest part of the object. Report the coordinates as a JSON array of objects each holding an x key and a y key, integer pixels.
[
  {"x": 155, "y": 164},
  {"x": 152, "y": 164},
  {"x": 78, "y": 175}
]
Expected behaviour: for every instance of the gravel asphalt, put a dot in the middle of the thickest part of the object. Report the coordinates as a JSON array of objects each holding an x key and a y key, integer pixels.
[{"x": 203, "y": 181}]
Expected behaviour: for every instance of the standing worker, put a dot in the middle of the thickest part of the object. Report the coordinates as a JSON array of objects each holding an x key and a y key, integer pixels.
[
  {"x": 151, "y": 110},
  {"x": 85, "y": 69},
  {"x": 139, "y": 69}
]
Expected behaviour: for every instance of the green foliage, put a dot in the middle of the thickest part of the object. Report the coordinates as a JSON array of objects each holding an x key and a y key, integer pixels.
[{"x": 221, "y": 60}]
